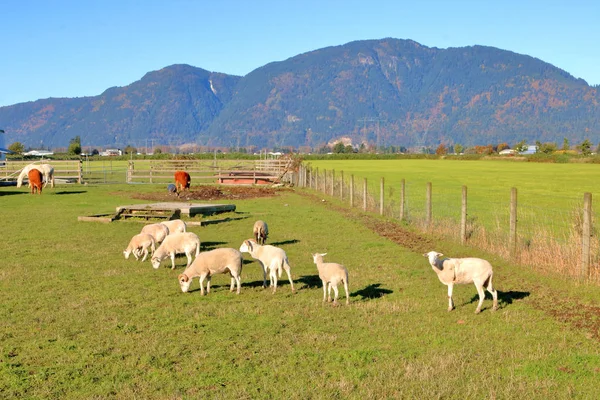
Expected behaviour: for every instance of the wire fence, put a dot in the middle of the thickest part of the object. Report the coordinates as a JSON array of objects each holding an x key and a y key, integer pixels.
[{"x": 547, "y": 238}]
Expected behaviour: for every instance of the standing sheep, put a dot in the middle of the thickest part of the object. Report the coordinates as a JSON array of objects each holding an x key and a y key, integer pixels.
[
  {"x": 331, "y": 274},
  {"x": 138, "y": 245},
  {"x": 260, "y": 231},
  {"x": 177, "y": 243},
  {"x": 158, "y": 231},
  {"x": 270, "y": 258},
  {"x": 209, "y": 263},
  {"x": 35, "y": 181},
  {"x": 175, "y": 226},
  {"x": 452, "y": 271}
]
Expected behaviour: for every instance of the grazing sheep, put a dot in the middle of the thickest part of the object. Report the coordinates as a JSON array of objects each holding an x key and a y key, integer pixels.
[
  {"x": 331, "y": 274},
  {"x": 158, "y": 231},
  {"x": 182, "y": 180},
  {"x": 261, "y": 231},
  {"x": 270, "y": 258},
  {"x": 138, "y": 245},
  {"x": 177, "y": 243},
  {"x": 218, "y": 261},
  {"x": 46, "y": 170},
  {"x": 452, "y": 271},
  {"x": 175, "y": 226},
  {"x": 35, "y": 181}
]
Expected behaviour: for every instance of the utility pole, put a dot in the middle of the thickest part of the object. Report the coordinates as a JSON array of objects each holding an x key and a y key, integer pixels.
[{"x": 371, "y": 119}]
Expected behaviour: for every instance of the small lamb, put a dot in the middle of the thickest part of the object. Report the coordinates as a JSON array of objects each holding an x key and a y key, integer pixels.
[
  {"x": 175, "y": 226},
  {"x": 452, "y": 271},
  {"x": 158, "y": 231},
  {"x": 218, "y": 261},
  {"x": 138, "y": 245},
  {"x": 270, "y": 258},
  {"x": 177, "y": 243},
  {"x": 260, "y": 231},
  {"x": 331, "y": 274}
]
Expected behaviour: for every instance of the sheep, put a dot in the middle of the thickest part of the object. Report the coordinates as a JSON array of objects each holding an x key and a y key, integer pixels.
[
  {"x": 175, "y": 226},
  {"x": 158, "y": 231},
  {"x": 260, "y": 231},
  {"x": 182, "y": 180},
  {"x": 35, "y": 181},
  {"x": 218, "y": 261},
  {"x": 270, "y": 258},
  {"x": 331, "y": 274},
  {"x": 452, "y": 271},
  {"x": 46, "y": 170},
  {"x": 177, "y": 243},
  {"x": 138, "y": 245}
]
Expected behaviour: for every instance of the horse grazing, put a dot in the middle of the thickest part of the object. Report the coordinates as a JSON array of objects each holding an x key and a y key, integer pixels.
[
  {"x": 46, "y": 169},
  {"x": 35, "y": 181},
  {"x": 182, "y": 180}
]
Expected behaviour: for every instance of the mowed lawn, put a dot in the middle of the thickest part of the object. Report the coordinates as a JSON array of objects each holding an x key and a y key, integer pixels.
[{"x": 80, "y": 321}]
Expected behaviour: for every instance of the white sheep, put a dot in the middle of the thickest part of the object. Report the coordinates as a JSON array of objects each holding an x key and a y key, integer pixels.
[
  {"x": 260, "y": 231},
  {"x": 270, "y": 258},
  {"x": 46, "y": 169},
  {"x": 175, "y": 226},
  {"x": 138, "y": 245},
  {"x": 187, "y": 243},
  {"x": 209, "y": 263},
  {"x": 452, "y": 271},
  {"x": 331, "y": 275},
  {"x": 158, "y": 231}
]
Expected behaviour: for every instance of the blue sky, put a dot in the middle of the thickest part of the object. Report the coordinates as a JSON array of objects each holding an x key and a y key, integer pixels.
[{"x": 58, "y": 48}]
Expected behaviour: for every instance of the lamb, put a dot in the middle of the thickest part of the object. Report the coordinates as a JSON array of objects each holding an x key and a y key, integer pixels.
[
  {"x": 331, "y": 274},
  {"x": 182, "y": 180},
  {"x": 218, "y": 261},
  {"x": 260, "y": 231},
  {"x": 177, "y": 243},
  {"x": 35, "y": 181},
  {"x": 158, "y": 231},
  {"x": 138, "y": 245},
  {"x": 270, "y": 258},
  {"x": 175, "y": 226},
  {"x": 452, "y": 271},
  {"x": 46, "y": 170}
]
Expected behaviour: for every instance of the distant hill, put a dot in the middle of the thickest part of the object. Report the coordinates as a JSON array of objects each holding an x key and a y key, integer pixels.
[{"x": 387, "y": 91}]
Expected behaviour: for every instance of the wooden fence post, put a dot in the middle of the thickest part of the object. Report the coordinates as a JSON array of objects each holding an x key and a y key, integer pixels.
[
  {"x": 130, "y": 172},
  {"x": 365, "y": 195},
  {"x": 463, "y": 217},
  {"x": 402, "y": 200},
  {"x": 428, "y": 212},
  {"x": 342, "y": 185},
  {"x": 381, "y": 193},
  {"x": 332, "y": 182},
  {"x": 317, "y": 178},
  {"x": 512, "y": 241},
  {"x": 351, "y": 190},
  {"x": 586, "y": 237}
]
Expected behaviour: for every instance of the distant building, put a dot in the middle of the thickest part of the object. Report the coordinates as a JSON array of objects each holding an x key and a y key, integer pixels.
[
  {"x": 530, "y": 150},
  {"x": 111, "y": 152},
  {"x": 510, "y": 152},
  {"x": 38, "y": 153}
]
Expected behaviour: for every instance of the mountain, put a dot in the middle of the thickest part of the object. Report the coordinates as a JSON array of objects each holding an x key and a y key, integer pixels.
[{"x": 388, "y": 92}]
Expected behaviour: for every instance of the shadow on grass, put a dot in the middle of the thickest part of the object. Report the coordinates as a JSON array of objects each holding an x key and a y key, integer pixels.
[
  {"x": 504, "y": 298},
  {"x": 12, "y": 193},
  {"x": 73, "y": 192},
  {"x": 293, "y": 241},
  {"x": 206, "y": 246},
  {"x": 218, "y": 221},
  {"x": 373, "y": 291},
  {"x": 310, "y": 281}
]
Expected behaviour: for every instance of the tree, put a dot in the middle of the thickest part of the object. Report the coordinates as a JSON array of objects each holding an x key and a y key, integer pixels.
[
  {"x": 585, "y": 147},
  {"x": 458, "y": 148},
  {"x": 521, "y": 146},
  {"x": 348, "y": 149},
  {"x": 17, "y": 147},
  {"x": 502, "y": 146},
  {"x": 159, "y": 151},
  {"x": 547, "y": 148},
  {"x": 130, "y": 150},
  {"x": 565, "y": 145},
  {"x": 75, "y": 146},
  {"x": 338, "y": 148},
  {"x": 441, "y": 150}
]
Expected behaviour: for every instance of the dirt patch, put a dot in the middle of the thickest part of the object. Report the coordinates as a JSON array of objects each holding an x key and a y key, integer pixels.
[{"x": 211, "y": 193}]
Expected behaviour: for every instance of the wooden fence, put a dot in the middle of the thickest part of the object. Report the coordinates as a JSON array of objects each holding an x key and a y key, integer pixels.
[
  {"x": 68, "y": 170},
  {"x": 570, "y": 249}
]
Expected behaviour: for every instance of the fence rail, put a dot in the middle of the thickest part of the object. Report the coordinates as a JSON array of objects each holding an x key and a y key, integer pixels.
[
  {"x": 560, "y": 241},
  {"x": 70, "y": 170}
]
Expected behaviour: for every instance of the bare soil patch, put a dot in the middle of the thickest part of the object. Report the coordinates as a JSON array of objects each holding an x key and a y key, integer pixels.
[{"x": 211, "y": 193}]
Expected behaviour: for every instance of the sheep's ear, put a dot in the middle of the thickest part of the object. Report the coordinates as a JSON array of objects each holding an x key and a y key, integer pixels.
[
  {"x": 323, "y": 254},
  {"x": 439, "y": 254}
]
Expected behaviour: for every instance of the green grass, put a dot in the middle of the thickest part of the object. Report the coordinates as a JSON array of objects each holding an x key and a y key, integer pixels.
[{"x": 80, "y": 321}]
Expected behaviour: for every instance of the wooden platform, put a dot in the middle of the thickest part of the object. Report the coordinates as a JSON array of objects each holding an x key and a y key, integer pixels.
[{"x": 165, "y": 211}]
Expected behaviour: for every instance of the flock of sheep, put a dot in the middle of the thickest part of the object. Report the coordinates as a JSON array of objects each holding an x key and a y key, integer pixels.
[{"x": 173, "y": 238}]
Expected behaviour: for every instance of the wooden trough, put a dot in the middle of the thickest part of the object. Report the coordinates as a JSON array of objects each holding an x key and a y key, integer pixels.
[
  {"x": 247, "y": 178},
  {"x": 165, "y": 211}
]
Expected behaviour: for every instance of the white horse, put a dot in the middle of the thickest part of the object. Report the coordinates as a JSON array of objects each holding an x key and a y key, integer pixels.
[{"x": 46, "y": 169}]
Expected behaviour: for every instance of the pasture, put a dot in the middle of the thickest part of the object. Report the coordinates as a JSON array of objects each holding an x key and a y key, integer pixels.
[{"x": 80, "y": 321}]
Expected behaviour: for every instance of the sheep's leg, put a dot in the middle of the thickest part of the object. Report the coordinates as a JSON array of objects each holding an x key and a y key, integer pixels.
[
  {"x": 493, "y": 292},
  {"x": 324, "y": 290},
  {"x": 450, "y": 302},
  {"x": 189, "y": 258},
  {"x": 202, "y": 284},
  {"x": 232, "y": 284},
  {"x": 336, "y": 293},
  {"x": 264, "y": 274},
  {"x": 346, "y": 290},
  {"x": 289, "y": 275},
  {"x": 329, "y": 293},
  {"x": 479, "y": 287},
  {"x": 274, "y": 279},
  {"x": 172, "y": 260},
  {"x": 208, "y": 284},
  {"x": 145, "y": 252}
]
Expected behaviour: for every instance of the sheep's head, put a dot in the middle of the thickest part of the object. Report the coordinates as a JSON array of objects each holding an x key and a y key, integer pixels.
[
  {"x": 248, "y": 246},
  {"x": 155, "y": 262},
  {"x": 184, "y": 282},
  {"x": 126, "y": 253},
  {"x": 318, "y": 257},
  {"x": 433, "y": 256}
]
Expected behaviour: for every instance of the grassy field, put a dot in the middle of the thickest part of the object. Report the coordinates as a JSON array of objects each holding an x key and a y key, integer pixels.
[{"x": 80, "y": 321}]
